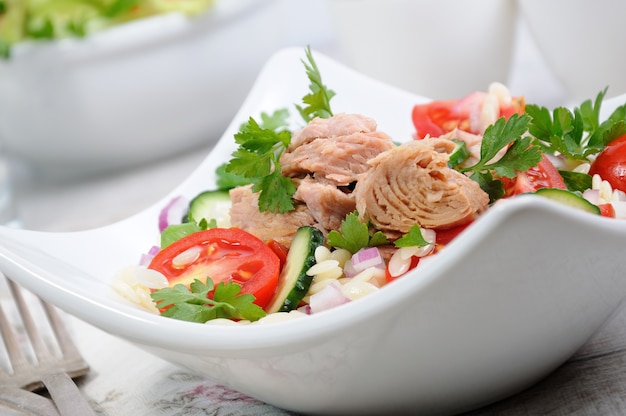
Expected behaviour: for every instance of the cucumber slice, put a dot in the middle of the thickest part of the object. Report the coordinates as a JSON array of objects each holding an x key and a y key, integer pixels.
[
  {"x": 459, "y": 154},
  {"x": 294, "y": 283},
  {"x": 568, "y": 198},
  {"x": 210, "y": 205}
]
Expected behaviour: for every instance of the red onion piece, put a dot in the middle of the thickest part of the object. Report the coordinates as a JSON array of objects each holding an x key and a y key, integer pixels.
[
  {"x": 146, "y": 258},
  {"x": 172, "y": 213},
  {"x": 592, "y": 195},
  {"x": 366, "y": 258},
  {"x": 327, "y": 298}
]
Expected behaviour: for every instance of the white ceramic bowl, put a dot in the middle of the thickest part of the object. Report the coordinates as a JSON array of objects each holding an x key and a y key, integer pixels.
[
  {"x": 133, "y": 93},
  {"x": 498, "y": 309},
  {"x": 439, "y": 48},
  {"x": 579, "y": 42}
]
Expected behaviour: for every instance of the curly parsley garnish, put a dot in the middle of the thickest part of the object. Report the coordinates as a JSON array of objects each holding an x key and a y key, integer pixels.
[
  {"x": 318, "y": 99},
  {"x": 355, "y": 235},
  {"x": 576, "y": 133},
  {"x": 192, "y": 304},
  {"x": 520, "y": 155},
  {"x": 257, "y": 160}
]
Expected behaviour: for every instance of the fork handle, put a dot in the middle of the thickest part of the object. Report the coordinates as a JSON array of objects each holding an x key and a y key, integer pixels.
[
  {"x": 15, "y": 398},
  {"x": 66, "y": 395}
]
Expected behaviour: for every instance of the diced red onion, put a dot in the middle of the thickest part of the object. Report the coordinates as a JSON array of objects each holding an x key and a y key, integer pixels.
[
  {"x": 305, "y": 309},
  {"x": 172, "y": 213},
  {"x": 146, "y": 258},
  {"x": 327, "y": 298},
  {"x": 366, "y": 258},
  {"x": 592, "y": 195}
]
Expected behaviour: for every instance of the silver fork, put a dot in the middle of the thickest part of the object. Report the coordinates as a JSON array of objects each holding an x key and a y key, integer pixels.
[{"x": 38, "y": 361}]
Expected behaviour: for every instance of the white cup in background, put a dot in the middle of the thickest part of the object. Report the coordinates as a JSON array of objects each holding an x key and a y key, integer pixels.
[
  {"x": 582, "y": 43},
  {"x": 436, "y": 48}
]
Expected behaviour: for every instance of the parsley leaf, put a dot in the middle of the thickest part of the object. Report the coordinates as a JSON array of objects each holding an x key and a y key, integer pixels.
[
  {"x": 520, "y": 155},
  {"x": 575, "y": 133},
  {"x": 318, "y": 100},
  {"x": 355, "y": 235},
  {"x": 257, "y": 159},
  {"x": 413, "y": 238},
  {"x": 192, "y": 304}
]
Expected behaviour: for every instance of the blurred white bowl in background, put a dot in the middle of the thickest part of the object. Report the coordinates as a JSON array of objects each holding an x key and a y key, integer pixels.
[
  {"x": 581, "y": 42},
  {"x": 436, "y": 48},
  {"x": 133, "y": 93}
]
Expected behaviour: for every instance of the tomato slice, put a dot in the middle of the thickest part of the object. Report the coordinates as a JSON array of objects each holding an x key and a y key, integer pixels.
[
  {"x": 439, "y": 117},
  {"x": 445, "y": 236},
  {"x": 611, "y": 164},
  {"x": 224, "y": 255},
  {"x": 544, "y": 175},
  {"x": 280, "y": 250},
  {"x": 607, "y": 210}
]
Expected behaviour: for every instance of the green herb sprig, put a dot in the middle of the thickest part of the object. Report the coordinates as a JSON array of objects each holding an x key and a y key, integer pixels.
[
  {"x": 257, "y": 159},
  {"x": 318, "y": 100},
  {"x": 355, "y": 235},
  {"x": 413, "y": 238},
  {"x": 577, "y": 133},
  {"x": 192, "y": 304},
  {"x": 520, "y": 155}
]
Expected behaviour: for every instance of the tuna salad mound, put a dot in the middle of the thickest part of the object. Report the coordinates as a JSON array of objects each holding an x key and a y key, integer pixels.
[{"x": 342, "y": 164}]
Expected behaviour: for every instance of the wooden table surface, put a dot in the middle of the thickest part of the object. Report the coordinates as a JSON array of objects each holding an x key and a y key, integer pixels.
[{"x": 592, "y": 382}]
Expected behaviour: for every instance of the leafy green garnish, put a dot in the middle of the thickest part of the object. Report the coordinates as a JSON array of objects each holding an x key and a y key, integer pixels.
[
  {"x": 576, "y": 133},
  {"x": 355, "y": 235},
  {"x": 318, "y": 100},
  {"x": 413, "y": 238},
  {"x": 276, "y": 121},
  {"x": 227, "y": 180},
  {"x": 257, "y": 159},
  {"x": 192, "y": 304},
  {"x": 576, "y": 181},
  {"x": 175, "y": 232},
  {"x": 520, "y": 155}
]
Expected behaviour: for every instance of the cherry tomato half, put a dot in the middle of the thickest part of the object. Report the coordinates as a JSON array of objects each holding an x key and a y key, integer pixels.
[
  {"x": 544, "y": 175},
  {"x": 611, "y": 164},
  {"x": 223, "y": 254}
]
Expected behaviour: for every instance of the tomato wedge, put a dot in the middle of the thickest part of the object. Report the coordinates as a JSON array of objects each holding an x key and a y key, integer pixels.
[
  {"x": 224, "y": 255},
  {"x": 439, "y": 117},
  {"x": 544, "y": 175}
]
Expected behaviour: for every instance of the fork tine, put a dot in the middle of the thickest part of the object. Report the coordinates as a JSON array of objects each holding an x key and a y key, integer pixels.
[
  {"x": 51, "y": 371},
  {"x": 79, "y": 366},
  {"x": 20, "y": 366}
]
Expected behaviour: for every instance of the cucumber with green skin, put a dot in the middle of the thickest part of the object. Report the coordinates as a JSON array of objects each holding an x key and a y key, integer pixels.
[
  {"x": 210, "y": 205},
  {"x": 568, "y": 198},
  {"x": 294, "y": 283}
]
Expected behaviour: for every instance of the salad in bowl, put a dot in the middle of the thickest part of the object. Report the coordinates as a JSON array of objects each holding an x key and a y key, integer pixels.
[
  {"x": 500, "y": 291},
  {"x": 307, "y": 219}
]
